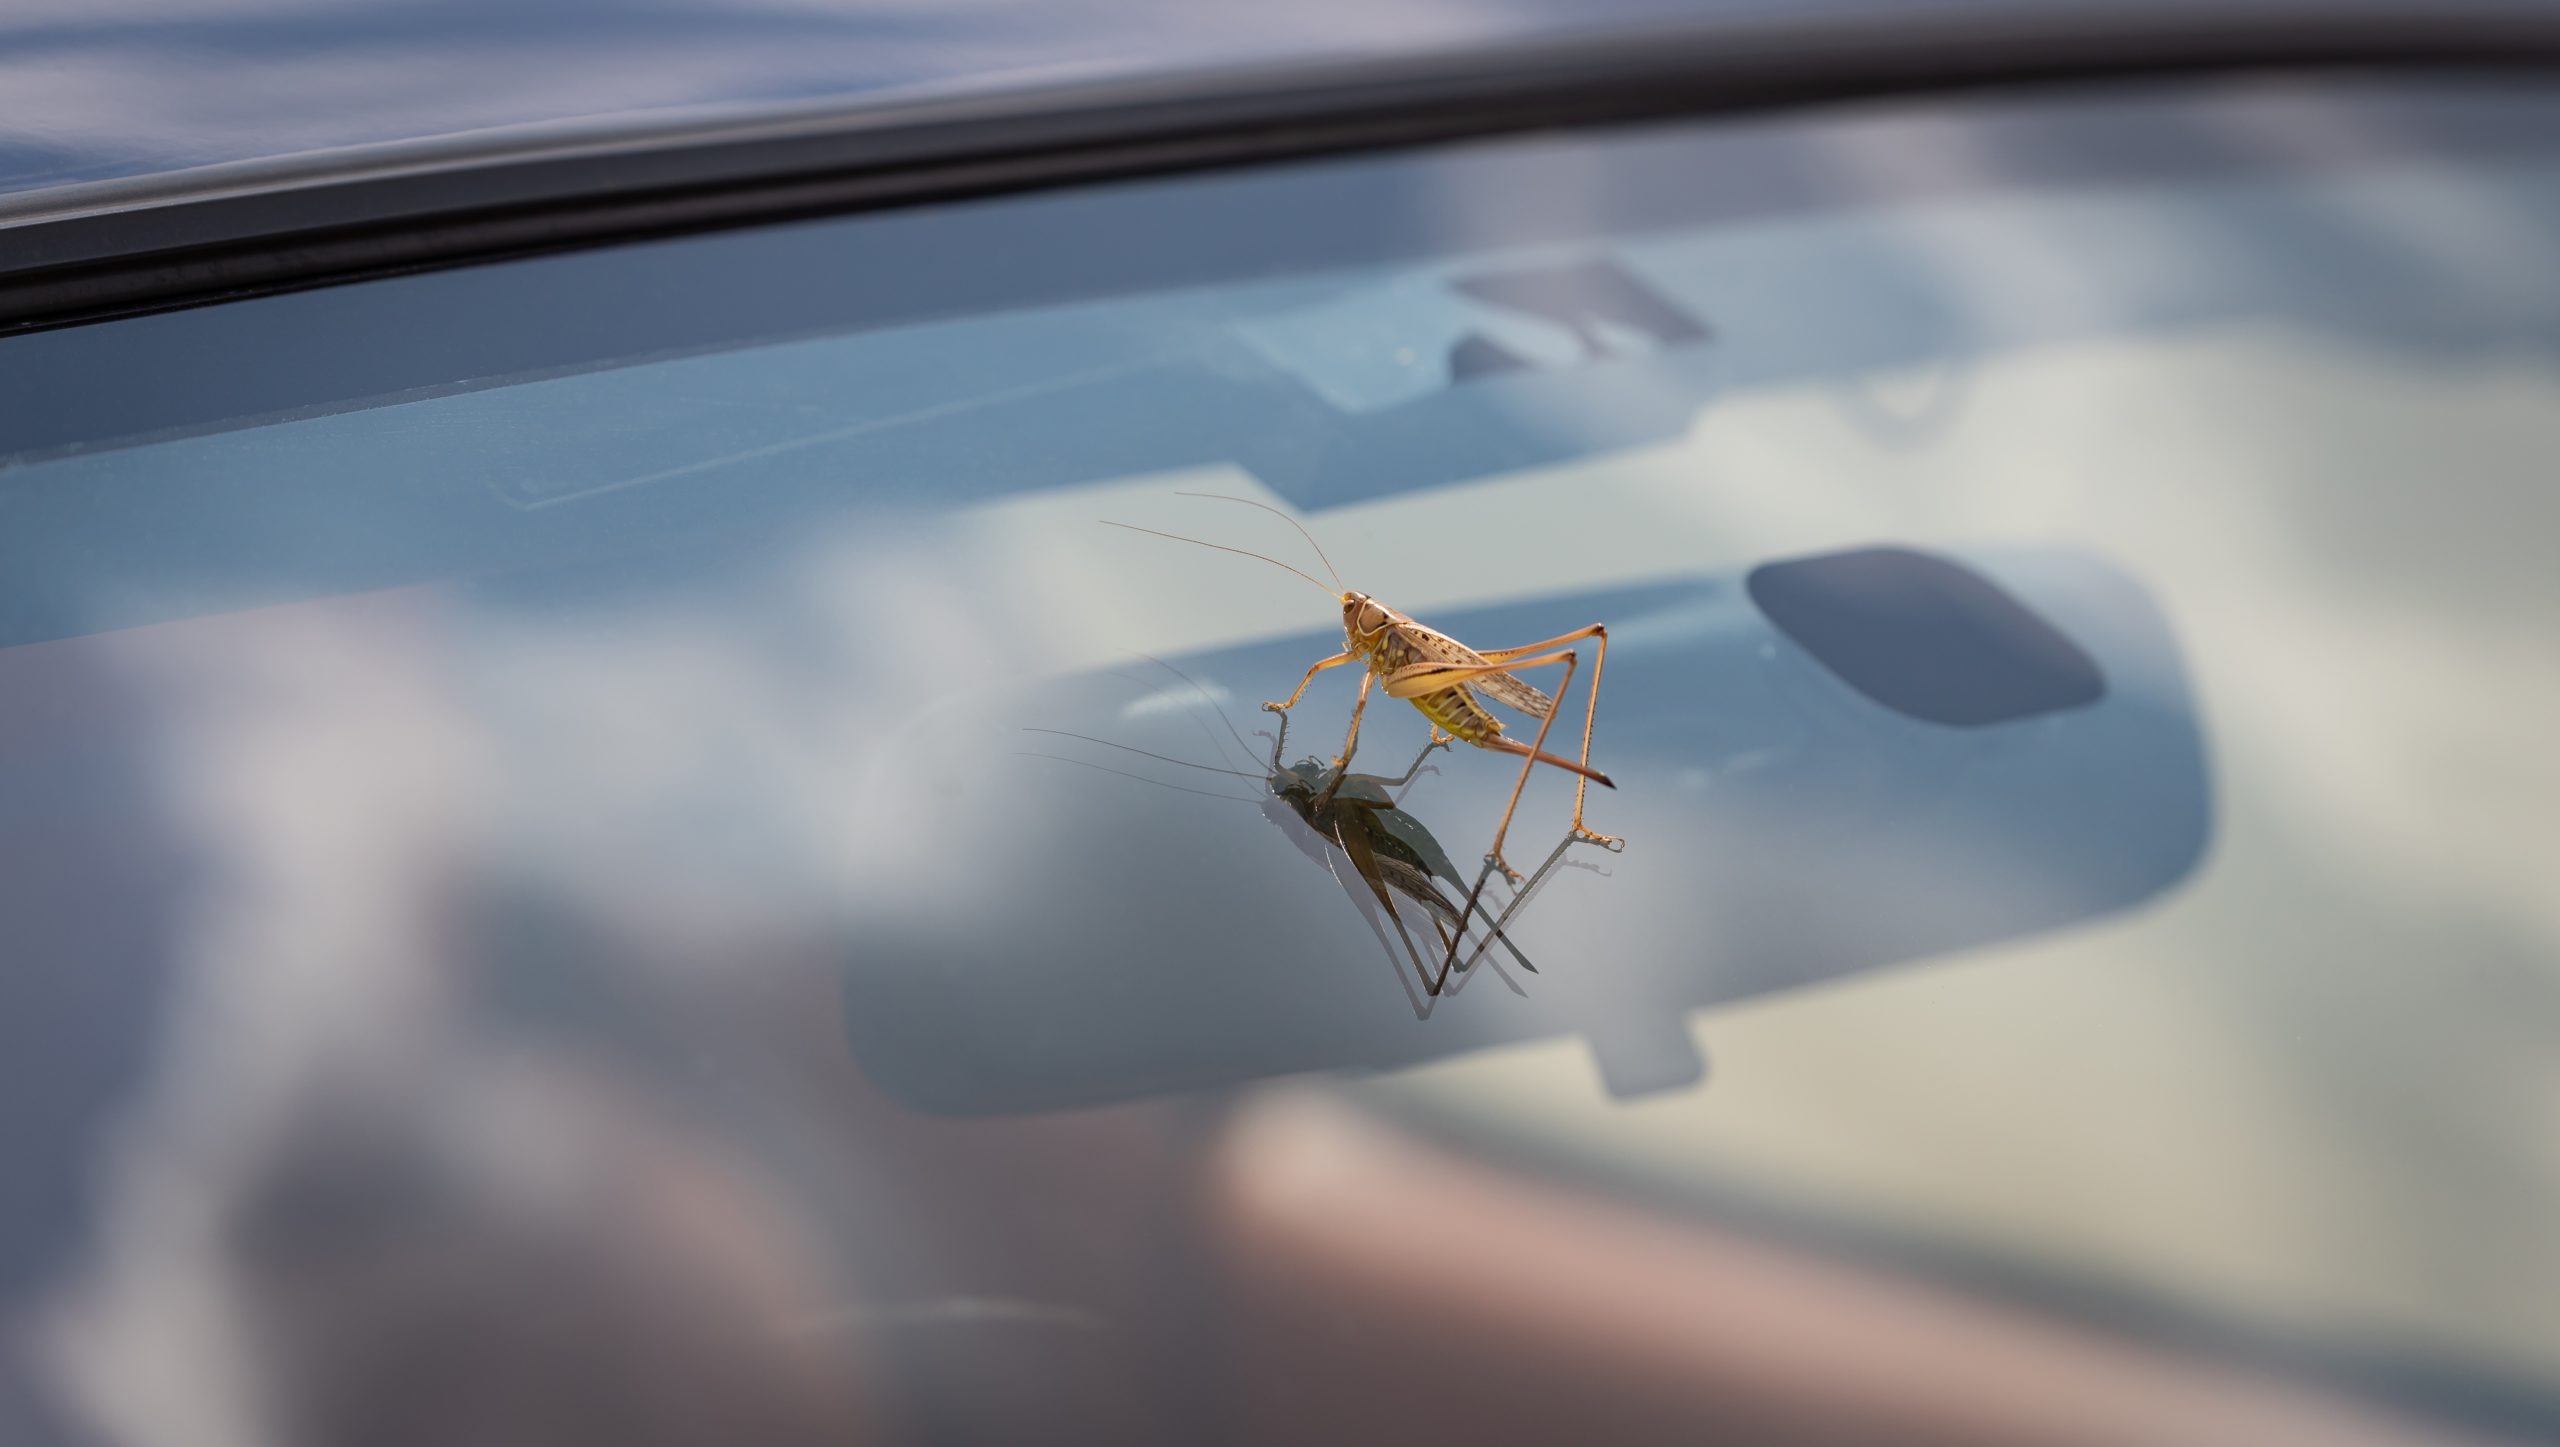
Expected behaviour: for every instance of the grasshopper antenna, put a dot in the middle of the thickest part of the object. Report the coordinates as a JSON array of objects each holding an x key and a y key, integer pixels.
[
  {"x": 1221, "y": 547},
  {"x": 1284, "y": 517}
]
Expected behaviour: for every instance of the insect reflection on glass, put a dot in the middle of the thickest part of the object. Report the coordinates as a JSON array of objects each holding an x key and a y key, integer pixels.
[
  {"x": 1442, "y": 678},
  {"x": 1391, "y": 850}
]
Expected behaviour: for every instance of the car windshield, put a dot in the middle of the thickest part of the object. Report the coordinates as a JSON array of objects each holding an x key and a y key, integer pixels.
[{"x": 683, "y": 843}]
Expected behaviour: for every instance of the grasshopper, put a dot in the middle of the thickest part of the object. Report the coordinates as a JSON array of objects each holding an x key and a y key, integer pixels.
[{"x": 1443, "y": 678}]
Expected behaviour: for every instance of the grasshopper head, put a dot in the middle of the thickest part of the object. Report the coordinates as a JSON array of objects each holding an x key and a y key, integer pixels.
[{"x": 1363, "y": 616}]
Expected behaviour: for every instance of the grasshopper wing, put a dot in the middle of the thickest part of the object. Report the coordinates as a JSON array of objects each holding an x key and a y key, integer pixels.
[{"x": 1432, "y": 645}]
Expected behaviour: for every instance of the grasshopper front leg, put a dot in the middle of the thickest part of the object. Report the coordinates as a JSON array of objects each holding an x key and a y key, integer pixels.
[{"x": 1319, "y": 666}]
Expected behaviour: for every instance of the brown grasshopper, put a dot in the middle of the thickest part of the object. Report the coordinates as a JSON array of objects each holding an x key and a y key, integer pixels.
[{"x": 1442, "y": 678}]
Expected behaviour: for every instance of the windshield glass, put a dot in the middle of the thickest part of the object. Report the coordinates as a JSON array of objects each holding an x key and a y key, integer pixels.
[{"x": 618, "y": 848}]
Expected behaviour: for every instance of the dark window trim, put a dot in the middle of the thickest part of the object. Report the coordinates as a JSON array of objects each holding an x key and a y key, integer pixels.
[{"x": 83, "y": 253}]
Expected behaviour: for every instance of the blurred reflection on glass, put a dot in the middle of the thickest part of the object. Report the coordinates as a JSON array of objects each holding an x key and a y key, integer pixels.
[{"x": 530, "y": 921}]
